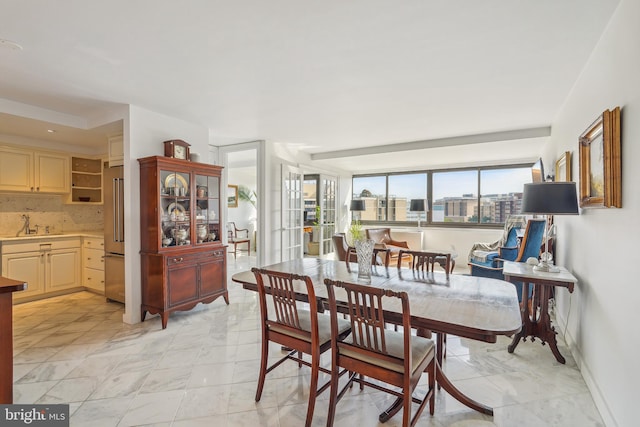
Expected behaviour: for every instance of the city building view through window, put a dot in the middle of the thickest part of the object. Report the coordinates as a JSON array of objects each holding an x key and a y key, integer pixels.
[{"x": 479, "y": 195}]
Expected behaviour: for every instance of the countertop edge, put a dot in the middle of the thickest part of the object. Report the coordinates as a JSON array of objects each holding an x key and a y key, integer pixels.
[{"x": 52, "y": 236}]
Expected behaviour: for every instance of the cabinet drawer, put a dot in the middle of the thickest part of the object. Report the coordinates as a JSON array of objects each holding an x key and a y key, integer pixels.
[
  {"x": 93, "y": 279},
  {"x": 93, "y": 243},
  {"x": 94, "y": 258},
  {"x": 40, "y": 244}
]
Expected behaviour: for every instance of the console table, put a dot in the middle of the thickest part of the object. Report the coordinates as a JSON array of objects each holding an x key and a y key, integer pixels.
[
  {"x": 7, "y": 288},
  {"x": 534, "y": 323}
]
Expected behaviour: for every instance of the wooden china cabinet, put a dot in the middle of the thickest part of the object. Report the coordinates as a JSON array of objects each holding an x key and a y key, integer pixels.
[{"x": 183, "y": 259}]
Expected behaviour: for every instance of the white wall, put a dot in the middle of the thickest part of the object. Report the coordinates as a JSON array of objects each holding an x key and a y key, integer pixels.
[
  {"x": 144, "y": 132},
  {"x": 601, "y": 245}
]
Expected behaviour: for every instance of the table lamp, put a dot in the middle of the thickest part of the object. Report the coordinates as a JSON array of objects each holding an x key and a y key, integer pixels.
[
  {"x": 357, "y": 206},
  {"x": 418, "y": 205},
  {"x": 549, "y": 198}
]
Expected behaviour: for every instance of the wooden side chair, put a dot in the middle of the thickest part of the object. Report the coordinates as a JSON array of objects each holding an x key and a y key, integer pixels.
[
  {"x": 238, "y": 236},
  {"x": 395, "y": 358},
  {"x": 299, "y": 329},
  {"x": 423, "y": 262}
]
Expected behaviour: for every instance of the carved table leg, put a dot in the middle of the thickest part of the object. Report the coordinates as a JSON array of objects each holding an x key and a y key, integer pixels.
[
  {"x": 537, "y": 325},
  {"x": 526, "y": 320}
]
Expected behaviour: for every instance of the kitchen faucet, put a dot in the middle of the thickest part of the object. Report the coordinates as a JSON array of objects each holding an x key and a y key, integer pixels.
[{"x": 26, "y": 227}]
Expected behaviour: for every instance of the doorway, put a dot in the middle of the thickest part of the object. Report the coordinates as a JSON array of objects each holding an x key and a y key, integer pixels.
[{"x": 243, "y": 206}]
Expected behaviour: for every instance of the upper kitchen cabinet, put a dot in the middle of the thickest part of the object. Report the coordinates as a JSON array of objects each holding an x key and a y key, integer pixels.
[
  {"x": 33, "y": 171},
  {"x": 116, "y": 151},
  {"x": 86, "y": 180}
]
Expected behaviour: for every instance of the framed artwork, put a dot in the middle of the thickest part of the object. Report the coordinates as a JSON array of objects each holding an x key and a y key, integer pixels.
[
  {"x": 563, "y": 167},
  {"x": 232, "y": 196},
  {"x": 600, "y": 174}
]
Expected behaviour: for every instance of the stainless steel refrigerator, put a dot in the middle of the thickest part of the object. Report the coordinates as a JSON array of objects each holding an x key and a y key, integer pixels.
[{"x": 114, "y": 234}]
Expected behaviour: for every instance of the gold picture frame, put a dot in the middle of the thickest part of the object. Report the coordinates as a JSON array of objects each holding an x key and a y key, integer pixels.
[
  {"x": 563, "y": 167},
  {"x": 232, "y": 196},
  {"x": 600, "y": 170}
]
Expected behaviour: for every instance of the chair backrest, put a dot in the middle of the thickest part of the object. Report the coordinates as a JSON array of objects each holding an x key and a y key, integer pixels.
[
  {"x": 532, "y": 240},
  {"x": 340, "y": 246},
  {"x": 282, "y": 288},
  {"x": 512, "y": 238},
  {"x": 423, "y": 261},
  {"x": 379, "y": 235},
  {"x": 231, "y": 229},
  {"x": 364, "y": 309}
]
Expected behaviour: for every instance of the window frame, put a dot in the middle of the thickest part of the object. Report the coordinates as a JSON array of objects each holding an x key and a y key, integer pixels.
[{"x": 428, "y": 222}]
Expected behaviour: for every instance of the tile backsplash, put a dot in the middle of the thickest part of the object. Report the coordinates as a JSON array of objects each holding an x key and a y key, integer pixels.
[{"x": 47, "y": 210}]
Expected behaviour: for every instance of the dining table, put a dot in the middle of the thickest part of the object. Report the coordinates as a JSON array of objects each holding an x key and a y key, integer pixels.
[{"x": 471, "y": 307}]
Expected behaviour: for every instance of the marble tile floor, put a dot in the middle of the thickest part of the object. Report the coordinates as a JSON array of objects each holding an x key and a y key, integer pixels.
[{"x": 202, "y": 371}]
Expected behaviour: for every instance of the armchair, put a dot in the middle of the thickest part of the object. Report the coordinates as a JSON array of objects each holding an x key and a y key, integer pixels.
[
  {"x": 341, "y": 248},
  {"x": 237, "y": 236},
  {"x": 529, "y": 247},
  {"x": 382, "y": 236},
  {"x": 506, "y": 247}
]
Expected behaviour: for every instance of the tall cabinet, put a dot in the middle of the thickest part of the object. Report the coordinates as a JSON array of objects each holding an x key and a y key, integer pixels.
[{"x": 183, "y": 259}]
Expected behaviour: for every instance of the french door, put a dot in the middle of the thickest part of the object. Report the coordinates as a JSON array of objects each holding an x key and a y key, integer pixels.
[
  {"x": 292, "y": 213},
  {"x": 328, "y": 195}
]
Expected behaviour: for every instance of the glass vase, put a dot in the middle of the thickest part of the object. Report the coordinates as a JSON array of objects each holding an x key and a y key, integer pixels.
[{"x": 364, "y": 250}]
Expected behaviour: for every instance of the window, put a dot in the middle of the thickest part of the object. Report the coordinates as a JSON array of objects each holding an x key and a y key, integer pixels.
[
  {"x": 485, "y": 195},
  {"x": 455, "y": 196},
  {"x": 387, "y": 197},
  {"x": 501, "y": 193},
  {"x": 403, "y": 188},
  {"x": 373, "y": 190}
]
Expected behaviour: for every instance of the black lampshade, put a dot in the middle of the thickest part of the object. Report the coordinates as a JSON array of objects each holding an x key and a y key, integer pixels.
[
  {"x": 357, "y": 205},
  {"x": 418, "y": 205},
  {"x": 550, "y": 198}
]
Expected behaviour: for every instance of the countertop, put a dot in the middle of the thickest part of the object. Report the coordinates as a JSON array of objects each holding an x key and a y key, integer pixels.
[{"x": 27, "y": 237}]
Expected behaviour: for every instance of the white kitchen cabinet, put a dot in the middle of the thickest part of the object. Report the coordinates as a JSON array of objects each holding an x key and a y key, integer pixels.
[
  {"x": 93, "y": 264},
  {"x": 116, "y": 151},
  {"x": 33, "y": 171},
  {"x": 26, "y": 266},
  {"x": 49, "y": 266}
]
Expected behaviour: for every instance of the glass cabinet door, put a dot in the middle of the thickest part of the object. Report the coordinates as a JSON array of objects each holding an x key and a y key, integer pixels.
[
  {"x": 207, "y": 209},
  {"x": 174, "y": 209}
]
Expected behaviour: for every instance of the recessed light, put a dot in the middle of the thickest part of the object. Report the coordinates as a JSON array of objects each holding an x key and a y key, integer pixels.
[
  {"x": 8, "y": 44},
  {"x": 51, "y": 130}
]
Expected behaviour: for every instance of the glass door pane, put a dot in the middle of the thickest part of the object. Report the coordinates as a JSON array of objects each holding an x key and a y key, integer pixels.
[
  {"x": 175, "y": 208},
  {"x": 328, "y": 194},
  {"x": 207, "y": 209}
]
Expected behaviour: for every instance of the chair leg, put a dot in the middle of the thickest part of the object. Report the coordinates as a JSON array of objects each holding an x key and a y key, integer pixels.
[
  {"x": 333, "y": 392},
  {"x": 406, "y": 410},
  {"x": 313, "y": 387},
  {"x": 300, "y": 358},
  {"x": 432, "y": 384},
  {"x": 263, "y": 367}
]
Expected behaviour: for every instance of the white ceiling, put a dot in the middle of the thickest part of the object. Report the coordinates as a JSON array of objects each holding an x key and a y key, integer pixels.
[{"x": 321, "y": 75}]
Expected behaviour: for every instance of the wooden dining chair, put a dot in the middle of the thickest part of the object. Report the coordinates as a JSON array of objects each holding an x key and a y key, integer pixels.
[
  {"x": 300, "y": 329},
  {"x": 423, "y": 262},
  {"x": 395, "y": 358}
]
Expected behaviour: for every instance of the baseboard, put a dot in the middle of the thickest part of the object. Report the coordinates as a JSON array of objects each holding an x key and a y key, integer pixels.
[{"x": 598, "y": 398}]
